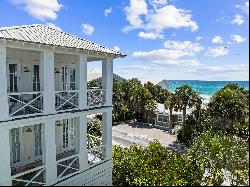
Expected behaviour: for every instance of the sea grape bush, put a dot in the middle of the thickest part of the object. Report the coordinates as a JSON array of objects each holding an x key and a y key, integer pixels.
[{"x": 153, "y": 166}]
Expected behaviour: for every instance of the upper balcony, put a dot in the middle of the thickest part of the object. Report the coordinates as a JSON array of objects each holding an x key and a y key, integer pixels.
[
  {"x": 41, "y": 83},
  {"x": 44, "y": 71}
]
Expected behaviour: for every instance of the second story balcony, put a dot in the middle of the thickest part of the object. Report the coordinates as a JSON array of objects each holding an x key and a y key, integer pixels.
[{"x": 45, "y": 82}]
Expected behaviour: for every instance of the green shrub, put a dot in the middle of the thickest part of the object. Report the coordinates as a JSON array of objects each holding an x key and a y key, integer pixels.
[{"x": 153, "y": 166}]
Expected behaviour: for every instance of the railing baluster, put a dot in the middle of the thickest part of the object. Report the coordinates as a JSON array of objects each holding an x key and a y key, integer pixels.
[{"x": 96, "y": 97}]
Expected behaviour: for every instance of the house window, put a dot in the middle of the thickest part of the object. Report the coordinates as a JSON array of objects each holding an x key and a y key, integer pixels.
[
  {"x": 165, "y": 119},
  {"x": 68, "y": 78},
  {"x": 159, "y": 118},
  {"x": 179, "y": 118},
  {"x": 69, "y": 134},
  {"x": 15, "y": 145},
  {"x": 38, "y": 140},
  {"x": 36, "y": 78},
  {"x": 13, "y": 78}
]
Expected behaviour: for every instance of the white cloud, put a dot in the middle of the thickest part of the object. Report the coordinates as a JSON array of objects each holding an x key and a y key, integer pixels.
[
  {"x": 164, "y": 56},
  {"x": 42, "y": 10},
  {"x": 159, "y": 18},
  {"x": 237, "y": 38},
  {"x": 172, "y": 54},
  {"x": 150, "y": 35},
  {"x": 134, "y": 12},
  {"x": 170, "y": 17},
  {"x": 158, "y": 3},
  {"x": 198, "y": 38},
  {"x": 224, "y": 69},
  {"x": 140, "y": 67},
  {"x": 87, "y": 29},
  {"x": 238, "y": 20},
  {"x": 116, "y": 48},
  {"x": 52, "y": 25},
  {"x": 244, "y": 8},
  {"x": 217, "y": 39},
  {"x": 108, "y": 11},
  {"x": 186, "y": 46},
  {"x": 216, "y": 52}
]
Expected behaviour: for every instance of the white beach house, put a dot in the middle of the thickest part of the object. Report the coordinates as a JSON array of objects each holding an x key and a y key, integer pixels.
[{"x": 44, "y": 105}]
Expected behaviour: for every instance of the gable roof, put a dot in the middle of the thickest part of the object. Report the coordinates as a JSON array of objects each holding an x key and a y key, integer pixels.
[
  {"x": 163, "y": 84},
  {"x": 44, "y": 34}
]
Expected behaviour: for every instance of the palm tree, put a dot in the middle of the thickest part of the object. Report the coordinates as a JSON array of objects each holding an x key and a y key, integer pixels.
[
  {"x": 186, "y": 97},
  {"x": 170, "y": 104},
  {"x": 124, "y": 109},
  {"x": 150, "y": 108}
]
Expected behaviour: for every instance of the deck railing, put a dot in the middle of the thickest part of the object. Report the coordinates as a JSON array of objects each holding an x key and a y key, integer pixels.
[
  {"x": 96, "y": 155},
  {"x": 67, "y": 167},
  {"x": 32, "y": 177},
  {"x": 25, "y": 103},
  {"x": 66, "y": 100},
  {"x": 96, "y": 97}
]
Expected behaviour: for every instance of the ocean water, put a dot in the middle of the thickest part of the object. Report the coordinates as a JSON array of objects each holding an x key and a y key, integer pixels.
[{"x": 205, "y": 88}]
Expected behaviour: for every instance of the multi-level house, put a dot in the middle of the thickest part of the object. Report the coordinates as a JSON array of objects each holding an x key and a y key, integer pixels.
[{"x": 44, "y": 105}]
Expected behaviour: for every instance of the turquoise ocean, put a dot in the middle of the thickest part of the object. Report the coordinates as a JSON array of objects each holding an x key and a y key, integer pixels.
[{"x": 205, "y": 88}]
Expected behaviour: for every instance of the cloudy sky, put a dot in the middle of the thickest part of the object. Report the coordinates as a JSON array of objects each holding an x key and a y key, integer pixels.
[{"x": 171, "y": 39}]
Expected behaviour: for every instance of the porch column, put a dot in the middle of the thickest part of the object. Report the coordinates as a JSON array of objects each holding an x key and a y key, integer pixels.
[
  {"x": 5, "y": 168},
  {"x": 4, "y": 108},
  {"x": 107, "y": 79},
  {"x": 83, "y": 152},
  {"x": 47, "y": 62},
  {"x": 82, "y": 81},
  {"x": 107, "y": 132},
  {"x": 49, "y": 156}
]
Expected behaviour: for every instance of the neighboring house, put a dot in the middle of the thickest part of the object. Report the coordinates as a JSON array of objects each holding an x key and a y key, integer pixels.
[
  {"x": 163, "y": 84},
  {"x": 115, "y": 77},
  {"x": 44, "y": 108},
  {"x": 162, "y": 118}
]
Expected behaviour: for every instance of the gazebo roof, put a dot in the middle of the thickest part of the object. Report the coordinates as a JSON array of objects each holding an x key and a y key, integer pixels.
[{"x": 44, "y": 34}]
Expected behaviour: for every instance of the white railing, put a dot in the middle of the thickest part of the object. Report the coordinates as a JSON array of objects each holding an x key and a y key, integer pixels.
[
  {"x": 66, "y": 100},
  {"x": 67, "y": 167},
  {"x": 25, "y": 103},
  {"x": 30, "y": 178},
  {"x": 96, "y": 155},
  {"x": 96, "y": 97}
]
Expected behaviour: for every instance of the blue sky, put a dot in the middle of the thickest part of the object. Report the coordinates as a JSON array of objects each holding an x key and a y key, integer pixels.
[{"x": 171, "y": 39}]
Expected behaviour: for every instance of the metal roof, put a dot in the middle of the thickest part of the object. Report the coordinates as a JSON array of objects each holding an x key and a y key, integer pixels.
[{"x": 44, "y": 34}]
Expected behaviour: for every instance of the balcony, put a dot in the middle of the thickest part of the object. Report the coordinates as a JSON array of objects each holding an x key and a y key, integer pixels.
[
  {"x": 46, "y": 83},
  {"x": 25, "y": 104},
  {"x": 96, "y": 97},
  {"x": 66, "y": 100}
]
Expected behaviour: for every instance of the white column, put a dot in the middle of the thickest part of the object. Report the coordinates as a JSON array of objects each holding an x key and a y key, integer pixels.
[
  {"x": 107, "y": 79},
  {"x": 107, "y": 132},
  {"x": 82, "y": 81},
  {"x": 47, "y": 61},
  {"x": 4, "y": 108},
  {"x": 83, "y": 152},
  {"x": 49, "y": 156},
  {"x": 5, "y": 169}
]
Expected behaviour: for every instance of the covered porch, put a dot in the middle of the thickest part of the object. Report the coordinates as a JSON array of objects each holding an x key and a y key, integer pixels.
[
  {"x": 76, "y": 146},
  {"x": 40, "y": 83}
]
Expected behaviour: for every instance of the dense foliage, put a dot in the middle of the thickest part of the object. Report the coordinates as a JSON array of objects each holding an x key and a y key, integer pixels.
[
  {"x": 154, "y": 165},
  {"x": 133, "y": 100},
  {"x": 210, "y": 155},
  {"x": 227, "y": 111},
  {"x": 229, "y": 106},
  {"x": 216, "y": 153},
  {"x": 215, "y": 136}
]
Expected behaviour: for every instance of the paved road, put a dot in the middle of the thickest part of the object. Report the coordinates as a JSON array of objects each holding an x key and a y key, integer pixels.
[{"x": 126, "y": 140}]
